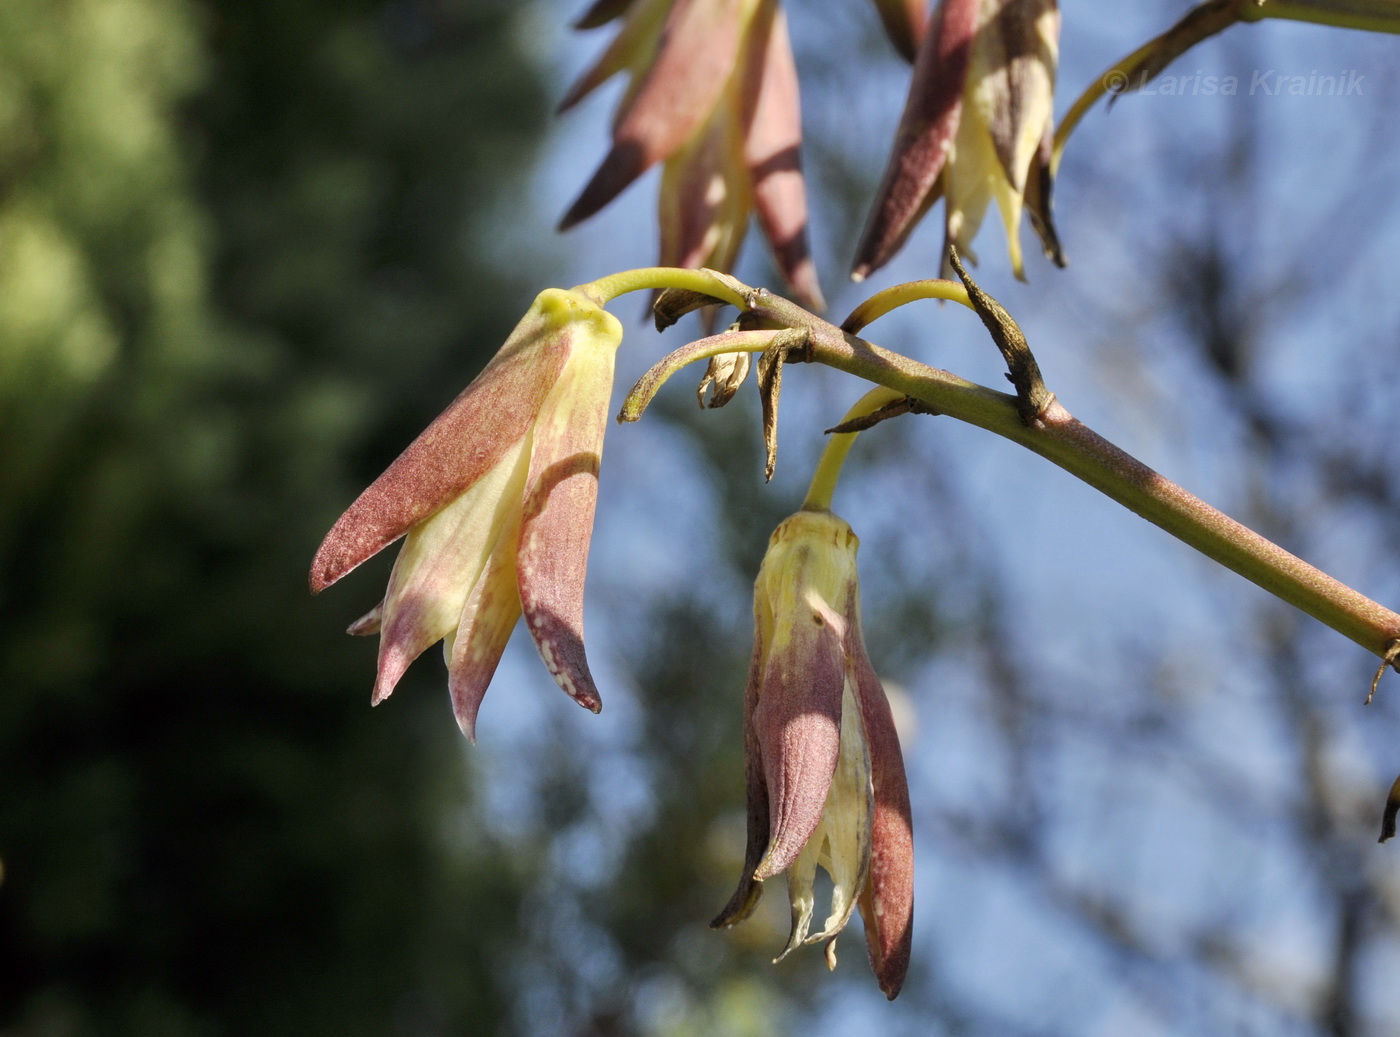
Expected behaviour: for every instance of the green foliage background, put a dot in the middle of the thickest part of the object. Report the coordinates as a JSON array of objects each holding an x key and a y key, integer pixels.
[{"x": 239, "y": 250}]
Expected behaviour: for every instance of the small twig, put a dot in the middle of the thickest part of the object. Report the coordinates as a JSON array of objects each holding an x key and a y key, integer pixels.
[
  {"x": 789, "y": 346},
  {"x": 1392, "y": 654},
  {"x": 1033, "y": 399},
  {"x": 908, "y": 405}
]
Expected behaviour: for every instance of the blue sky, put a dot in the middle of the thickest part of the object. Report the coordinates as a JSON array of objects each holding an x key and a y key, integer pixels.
[{"x": 1187, "y": 832}]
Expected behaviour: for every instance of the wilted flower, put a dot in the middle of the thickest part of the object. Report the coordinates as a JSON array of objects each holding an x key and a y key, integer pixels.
[
  {"x": 496, "y": 497},
  {"x": 713, "y": 95},
  {"x": 825, "y": 777},
  {"x": 977, "y": 128}
]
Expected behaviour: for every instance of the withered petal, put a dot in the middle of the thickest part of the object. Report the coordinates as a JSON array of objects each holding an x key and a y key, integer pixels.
[{"x": 926, "y": 131}]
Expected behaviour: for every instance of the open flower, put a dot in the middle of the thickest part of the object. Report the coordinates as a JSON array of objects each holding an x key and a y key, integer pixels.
[
  {"x": 977, "y": 128},
  {"x": 496, "y": 497},
  {"x": 713, "y": 96},
  {"x": 825, "y": 776}
]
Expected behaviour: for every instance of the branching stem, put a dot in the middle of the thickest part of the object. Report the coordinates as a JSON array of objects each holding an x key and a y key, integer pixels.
[{"x": 1057, "y": 436}]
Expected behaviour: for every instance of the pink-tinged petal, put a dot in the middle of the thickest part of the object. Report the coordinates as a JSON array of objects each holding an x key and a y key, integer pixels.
[
  {"x": 699, "y": 44},
  {"x": 368, "y": 624},
  {"x": 887, "y": 902},
  {"x": 600, "y": 12},
  {"x": 1016, "y": 55},
  {"x": 490, "y": 416},
  {"x": 632, "y": 47},
  {"x": 904, "y": 21},
  {"x": 703, "y": 205},
  {"x": 798, "y": 723},
  {"x": 925, "y": 134},
  {"x": 487, "y": 621},
  {"x": 440, "y": 562},
  {"x": 745, "y": 897},
  {"x": 1040, "y": 185},
  {"x": 557, "y": 524},
  {"x": 773, "y": 151}
]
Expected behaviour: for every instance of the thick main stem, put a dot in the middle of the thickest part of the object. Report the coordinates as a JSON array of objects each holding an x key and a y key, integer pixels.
[{"x": 1060, "y": 438}]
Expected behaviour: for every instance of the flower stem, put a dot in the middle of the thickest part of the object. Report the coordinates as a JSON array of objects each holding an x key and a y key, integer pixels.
[
  {"x": 650, "y": 383},
  {"x": 839, "y": 444},
  {"x": 706, "y": 282},
  {"x": 883, "y": 302},
  {"x": 1057, "y": 436},
  {"x": 1370, "y": 15}
]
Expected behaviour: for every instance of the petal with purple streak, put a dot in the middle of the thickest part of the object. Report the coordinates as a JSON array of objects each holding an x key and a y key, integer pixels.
[
  {"x": 465, "y": 441},
  {"x": 439, "y": 563},
  {"x": 887, "y": 903},
  {"x": 772, "y": 151},
  {"x": 798, "y": 722},
  {"x": 678, "y": 92},
  {"x": 925, "y": 135},
  {"x": 745, "y": 897},
  {"x": 561, "y": 492}
]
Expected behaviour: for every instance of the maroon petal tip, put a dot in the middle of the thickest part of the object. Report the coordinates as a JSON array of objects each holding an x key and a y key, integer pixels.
[{"x": 623, "y": 164}]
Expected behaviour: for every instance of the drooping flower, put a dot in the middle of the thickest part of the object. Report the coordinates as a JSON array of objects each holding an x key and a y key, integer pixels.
[
  {"x": 495, "y": 500},
  {"x": 825, "y": 776},
  {"x": 713, "y": 97},
  {"x": 977, "y": 128}
]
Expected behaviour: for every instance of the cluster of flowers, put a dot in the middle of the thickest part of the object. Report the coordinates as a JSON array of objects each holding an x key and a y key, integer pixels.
[
  {"x": 713, "y": 97},
  {"x": 495, "y": 502}
]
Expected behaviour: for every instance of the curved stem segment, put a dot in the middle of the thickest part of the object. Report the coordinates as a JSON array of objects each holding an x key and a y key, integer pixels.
[
  {"x": 1205, "y": 20},
  {"x": 1057, "y": 436},
  {"x": 1370, "y": 15},
  {"x": 883, "y": 302},
  {"x": 655, "y": 278},
  {"x": 839, "y": 444},
  {"x": 727, "y": 342}
]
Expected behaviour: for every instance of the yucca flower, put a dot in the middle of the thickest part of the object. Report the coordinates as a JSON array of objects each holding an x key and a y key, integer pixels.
[
  {"x": 713, "y": 97},
  {"x": 977, "y": 128},
  {"x": 825, "y": 777},
  {"x": 495, "y": 500}
]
